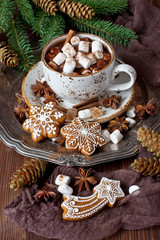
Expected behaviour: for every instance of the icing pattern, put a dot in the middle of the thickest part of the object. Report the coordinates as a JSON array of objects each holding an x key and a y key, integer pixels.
[
  {"x": 83, "y": 135},
  {"x": 44, "y": 122},
  {"x": 107, "y": 192}
]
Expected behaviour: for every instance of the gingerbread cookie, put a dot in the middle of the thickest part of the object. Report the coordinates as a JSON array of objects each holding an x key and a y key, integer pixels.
[
  {"x": 82, "y": 135},
  {"x": 44, "y": 122},
  {"x": 107, "y": 192}
]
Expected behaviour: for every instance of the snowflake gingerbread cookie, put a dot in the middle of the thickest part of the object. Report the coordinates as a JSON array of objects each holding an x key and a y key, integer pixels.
[
  {"x": 82, "y": 135},
  {"x": 107, "y": 192},
  {"x": 43, "y": 122}
]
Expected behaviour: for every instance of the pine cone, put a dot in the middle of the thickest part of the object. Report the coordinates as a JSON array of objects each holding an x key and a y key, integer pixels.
[
  {"x": 27, "y": 174},
  {"x": 7, "y": 56},
  {"x": 147, "y": 166},
  {"x": 48, "y": 6},
  {"x": 74, "y": 9},
  {"x": 150, "y": 139}
]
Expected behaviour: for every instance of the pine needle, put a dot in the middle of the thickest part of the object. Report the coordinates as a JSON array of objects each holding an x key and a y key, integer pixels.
[
  {"x": 6, "y": 8},
  {"x": 26, "y": 11},
  {"x": 55, "y": 29},
  {"x": 117, "y": 34},
  {"x": 19, "y": 41}
]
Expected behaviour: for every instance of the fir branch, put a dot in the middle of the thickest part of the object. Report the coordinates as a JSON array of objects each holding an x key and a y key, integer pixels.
[
  {"x": 19, "y": 41},
  {"x": 55, "y": 29},
  {"x": 106, "y": 7},
  {"x": 42, "y": 22},
  {"x": 6, "y": 8},
  {"x": 26, "y": 11},
  {"x": 117, "y": 34}
]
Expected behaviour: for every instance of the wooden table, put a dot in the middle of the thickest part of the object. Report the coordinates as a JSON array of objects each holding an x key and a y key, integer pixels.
[{"x": 11, "y": 160}]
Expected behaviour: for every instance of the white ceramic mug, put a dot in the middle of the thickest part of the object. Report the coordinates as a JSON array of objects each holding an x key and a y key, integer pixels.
[{"x": 73, "y": 88}]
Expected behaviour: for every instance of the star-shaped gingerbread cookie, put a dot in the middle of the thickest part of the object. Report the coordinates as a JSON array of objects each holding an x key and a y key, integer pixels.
[
  {"x": 44, "y": 122},
  {"x": 82, "y": 135}
]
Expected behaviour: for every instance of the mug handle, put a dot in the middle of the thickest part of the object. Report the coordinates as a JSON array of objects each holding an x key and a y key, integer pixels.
[{"x": 122, "y": 86}]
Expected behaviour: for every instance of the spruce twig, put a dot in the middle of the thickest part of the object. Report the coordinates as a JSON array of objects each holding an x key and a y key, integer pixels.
[{"x": 105, "y": 29}]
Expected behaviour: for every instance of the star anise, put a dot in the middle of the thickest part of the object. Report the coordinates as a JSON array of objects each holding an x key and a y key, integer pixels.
[
  {"x": 150, "y": 108},
  {"x": 112, "y": 101},
  {"x": 46, "y": 193},
  {"x": 41, "y": 89},
  {"x": 22, "y": 112},
  {"x": 119, "y": 123},
  {"x": 50, "y": 98},
  {"x": 85, "y": 179}
]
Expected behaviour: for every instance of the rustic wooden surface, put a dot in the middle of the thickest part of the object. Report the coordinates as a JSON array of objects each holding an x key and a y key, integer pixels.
[{"x": 11, "y": 160}]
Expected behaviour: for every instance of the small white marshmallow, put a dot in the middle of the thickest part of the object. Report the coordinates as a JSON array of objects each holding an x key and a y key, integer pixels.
[
  {"x": 131, "y": 112},
  {"x": 59, "y": 58},
  {"x": 79, "y": 55},
  {"x": 97, "y": 46},
  {"x": 98, "y": 55},
  {"x": 83, "y": 46},
  {"x": 85, "y": 62},
  {"x": 64, "y": 189},
  {"x": 106, "y": 134},
  {"x": 134, "y": 189},
  {"x": 131, "y": 121},
  {"x": 69, "y": 65},
  {"x": 116, "y": 136},
  {"x": 86, "y": 72},
  {"x": 75, "y": 40},
  {"x": 91, "y": 56},
  {"x": 68, "y": 50},
  {"x": 86, "y": 113},
  {"x": 61, "y": 179}
]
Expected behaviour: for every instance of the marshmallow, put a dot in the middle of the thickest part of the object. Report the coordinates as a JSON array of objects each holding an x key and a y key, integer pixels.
[
  {"x": 43, "y": 79},
  {"x": 68, "y": 50},
  {"x": 134, "y": 189},
  {"x": 79, "y": 55},
  {"x": 131, "y": 121},
  {"x": 86, "y": 113},
  {"x": 75, "y": 40},
  {"x": 65, "y": 189},
  {"x": 95, "y": 70},
  {"x": 106, "y": 134},
  {"x": 83, "y": 46},
  {"x": 59, "y": 58},
  {"x": 131, "y": 112},
  {"x": 61, "y": 179},
  {"x": 116, "y": 136},
  {"x": 86, "y": 72},
  {"x": 69, "y": 65},
  {"x": 78, "y": 65},
  {"x": 85, "y": 62},
  {"x": 97, "y": 46},
  {"x": 91, "y": 56},
  {"x": 98, "y": 55}
]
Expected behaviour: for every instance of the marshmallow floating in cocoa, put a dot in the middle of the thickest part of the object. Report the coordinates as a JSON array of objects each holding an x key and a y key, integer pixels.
[
  {"x": 75, "y": 40},
  {"x": 59, "y": 58},
  {"x": 97, "y": 46},
  {"x": 85, "y": 62},
  {"x": 69, "y": 50},
  {"x": 69, "y": 65},
  {"x": 98, "y": 55},
  {"x": 91, "y": 56},
  {"x": 83, "y": 46}
]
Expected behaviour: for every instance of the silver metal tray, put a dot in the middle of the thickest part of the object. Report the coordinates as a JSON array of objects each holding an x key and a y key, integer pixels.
[{"x": 12, "y": 134}]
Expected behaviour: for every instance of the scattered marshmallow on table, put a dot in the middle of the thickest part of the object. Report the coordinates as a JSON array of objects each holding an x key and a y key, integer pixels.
[
  {"x": 116, "y": 136},
  {"x": 83, "y": 46},
  {"x": 134, "y": 189},
  {"x": 61, "y": 179},
  {"x": 97, "y": 46},
  {"x": 131, "y": 121},
  {"x": 106, "y": 134},
  {"x": 85, "y": 62},
  {"x": 69, "y": 50},
  {"x": 59, "y": 58},
  {"x": 131, "y": 112},
  {"x": 65, "y": 189},
  {"x": 69, "y": 65},
  {"x": 75, "y": 40},
  {"x": 86, "y": 113}
]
